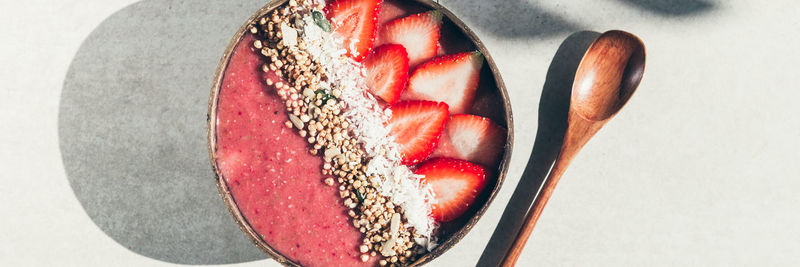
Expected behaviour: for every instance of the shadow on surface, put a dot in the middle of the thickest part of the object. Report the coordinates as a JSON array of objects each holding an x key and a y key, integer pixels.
[
  {"x": 671, "y": 7},
  {"x": 510, "y": 18},
  {"x": 553, "y": 109},
  {"x": 132, "y": 130},
  {"x": 525, "y": 18}
]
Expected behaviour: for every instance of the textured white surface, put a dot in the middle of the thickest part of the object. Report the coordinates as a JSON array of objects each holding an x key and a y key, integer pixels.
[{"x": 699, "y": 169}]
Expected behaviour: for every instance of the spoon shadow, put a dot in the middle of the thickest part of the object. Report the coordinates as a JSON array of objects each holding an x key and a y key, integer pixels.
[{"x": 553, "y": 110}]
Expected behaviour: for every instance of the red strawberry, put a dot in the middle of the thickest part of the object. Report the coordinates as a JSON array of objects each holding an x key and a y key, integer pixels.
[
  {"x": 416, "y": 127},
  {"x": 387, "y": 72},
  {"x": 452, "y": 79},
  {"x": 418, "y": 33},
  {"x": 473, "y": 138},
  {"x": 356, "y": 21},
  {"x": 455, "y": 184}
]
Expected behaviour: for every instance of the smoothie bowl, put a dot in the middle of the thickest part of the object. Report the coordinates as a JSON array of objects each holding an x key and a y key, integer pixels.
[{"x": 357, "y": 132}]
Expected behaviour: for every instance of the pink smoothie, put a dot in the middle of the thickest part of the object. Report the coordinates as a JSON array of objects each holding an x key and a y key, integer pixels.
[{"x": 276, "y": 183}]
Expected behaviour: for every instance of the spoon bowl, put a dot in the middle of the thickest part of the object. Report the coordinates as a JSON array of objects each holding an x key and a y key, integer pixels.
[{"x": 608, "y": 75}]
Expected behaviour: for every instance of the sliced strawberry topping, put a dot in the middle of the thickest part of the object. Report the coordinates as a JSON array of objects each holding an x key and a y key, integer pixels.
[
  {"x": 355, "y": 21},
  {"x": 387, "y": 71},
  {"x": 418, "y": 33},
  {"x": 473, "y": 138},
  {"x": 455, "y": 184},
  {"x": 452, "y": 79},
  {"x": 416, "y": 127}
]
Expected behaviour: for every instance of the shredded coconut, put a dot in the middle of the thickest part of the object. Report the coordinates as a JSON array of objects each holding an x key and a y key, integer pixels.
[
  {"x": 289, "y": 35},
  {"x": 397, "y": 181}
]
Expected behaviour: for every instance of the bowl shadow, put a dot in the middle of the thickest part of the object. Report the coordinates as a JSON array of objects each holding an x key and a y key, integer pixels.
[{"x": 132, "y": 130}]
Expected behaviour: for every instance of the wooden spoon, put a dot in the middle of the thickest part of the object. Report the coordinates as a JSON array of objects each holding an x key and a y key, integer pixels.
[{"x": 606, "y": 78}]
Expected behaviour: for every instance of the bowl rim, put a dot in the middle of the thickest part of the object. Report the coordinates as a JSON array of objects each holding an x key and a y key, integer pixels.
[{"x": 227, "y": 197}]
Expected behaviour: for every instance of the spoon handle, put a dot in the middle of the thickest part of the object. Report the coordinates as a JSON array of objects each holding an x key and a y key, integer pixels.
[{"x": 579, "y": 131}]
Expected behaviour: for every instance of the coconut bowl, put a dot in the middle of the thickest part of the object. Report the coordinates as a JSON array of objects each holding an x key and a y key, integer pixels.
[{"x": 491, "y": 101}]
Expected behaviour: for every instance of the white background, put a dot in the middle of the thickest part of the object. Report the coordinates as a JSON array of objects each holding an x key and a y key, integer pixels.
[{"x": 701, "y": 168}]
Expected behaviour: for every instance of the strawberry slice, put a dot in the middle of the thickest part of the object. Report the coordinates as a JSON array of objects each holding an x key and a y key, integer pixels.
[
  {"x": 387, "y": 72},
  {"x": 452, "y": 79},
  {"x": 455, "y": 184},
  {"x": 472, "y": 138},
  {"x": 355, "y": 21},
  {"x": 418, "y": 33},
  {"x": 416, "y": 127}
]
